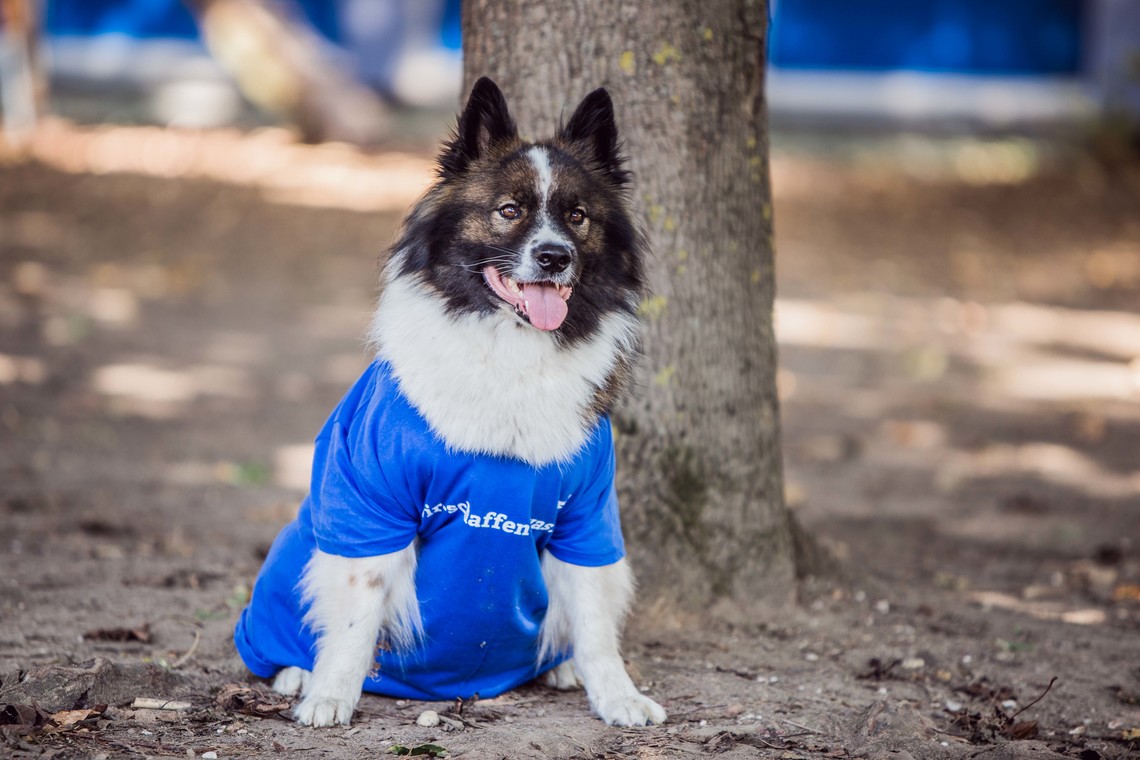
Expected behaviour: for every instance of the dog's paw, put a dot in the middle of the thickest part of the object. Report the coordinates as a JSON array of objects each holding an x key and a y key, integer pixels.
[
  {"x": 319, "y": 711},
  {"x": 631, "y": 710},
  {"x": 291, "y": 681},
  {"x": 563, "y": 677}
]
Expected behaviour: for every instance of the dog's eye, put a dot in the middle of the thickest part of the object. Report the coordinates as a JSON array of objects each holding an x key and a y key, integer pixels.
[
  {"x": 577, "y": 216},
  {"x": 509, "y": 211}
]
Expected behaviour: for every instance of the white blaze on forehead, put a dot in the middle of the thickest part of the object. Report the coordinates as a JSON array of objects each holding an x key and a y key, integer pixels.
[
  {"x": 541, "y": 160},
  {"x": 544, "y": 230}
]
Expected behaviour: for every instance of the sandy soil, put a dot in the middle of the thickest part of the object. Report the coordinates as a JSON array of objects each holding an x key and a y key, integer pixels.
[{"x": 959, "y": 330}]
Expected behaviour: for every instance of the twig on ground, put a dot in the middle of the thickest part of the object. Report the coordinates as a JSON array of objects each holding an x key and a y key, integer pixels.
[
  {"x": 1040, "y": 697},
  {"x": 697, "y": 709},
  {"x": 189, "y": 652},
  {"x": 802, "y": 727},
  {"x": 150, "y": 703}
]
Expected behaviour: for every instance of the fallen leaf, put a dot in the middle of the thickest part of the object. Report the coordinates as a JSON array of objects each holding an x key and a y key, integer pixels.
[
  {"x": 1026, "y": 729},
  {"x": 1126, "y": 592},
  {"x": 65, "y": 719},
  {"x": 1130, "y": 734},
  {"x": 21, "y": 720},
  {"x": 140, "y": 634},
  {"x": 430, "y": 750},
  {"x": 75, "y": 720},
  {"x": 248, "y": 701}
]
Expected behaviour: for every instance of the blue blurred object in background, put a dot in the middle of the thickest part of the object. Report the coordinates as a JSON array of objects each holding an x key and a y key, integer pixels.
[
  {"x": 953, "y": 64},
  {"x": 938, "y": 62},
  {"x": 150, "y": 19},
  {"x": 140, "y": 19},
  {"x": 406, "y": 49},
  {"x": 983, "y": 37}
]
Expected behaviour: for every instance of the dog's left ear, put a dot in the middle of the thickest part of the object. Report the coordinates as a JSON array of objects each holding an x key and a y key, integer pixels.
[
  {"x": 593, "y": 124},
  {"x": 484, "y": 123}
]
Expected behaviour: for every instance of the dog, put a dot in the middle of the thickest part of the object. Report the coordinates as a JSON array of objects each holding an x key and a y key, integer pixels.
[{"x": 461, "y": 536}]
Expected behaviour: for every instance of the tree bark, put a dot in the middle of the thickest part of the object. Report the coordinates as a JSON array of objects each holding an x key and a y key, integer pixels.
[{"x": 700, "y": 473}]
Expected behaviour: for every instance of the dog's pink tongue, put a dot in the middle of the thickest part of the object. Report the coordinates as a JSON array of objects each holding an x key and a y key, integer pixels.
[{"x": 543, "y": 306}]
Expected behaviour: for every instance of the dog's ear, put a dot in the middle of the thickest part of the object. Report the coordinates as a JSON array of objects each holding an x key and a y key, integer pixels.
[
  {"x": 484, "y": 123},
  {"x": 593, "y": 125}
]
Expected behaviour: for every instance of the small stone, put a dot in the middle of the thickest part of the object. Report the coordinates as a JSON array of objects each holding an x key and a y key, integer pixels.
[
  {"x": 811, "y": 656},
  {"x": 734, "y": 710},
  {"x": 914, "y": 663},
  {"x": 882, "y": 606},
  {"x": 428, "y": 719},
  {"x": 211, "y": 755}
]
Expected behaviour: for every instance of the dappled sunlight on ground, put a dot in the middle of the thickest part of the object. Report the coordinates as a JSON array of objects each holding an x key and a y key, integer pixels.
[
  {"x": 960, "y": 358},
  {"x": 331, "y": 175}
]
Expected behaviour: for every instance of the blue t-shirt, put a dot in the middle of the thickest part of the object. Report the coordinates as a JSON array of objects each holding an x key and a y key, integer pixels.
[{"x": 382, "y": 478}]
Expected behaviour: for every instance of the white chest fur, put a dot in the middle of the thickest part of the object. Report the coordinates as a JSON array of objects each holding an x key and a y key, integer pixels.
[{"x": 491, "y": 384}]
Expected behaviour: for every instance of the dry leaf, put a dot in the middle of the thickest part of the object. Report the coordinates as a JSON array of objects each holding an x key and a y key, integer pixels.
[
  {"x": 248, "y": 701},
  {"x": 70, "y": 720},
  {"x": 140, "y": 634},
  {"x": 21, "y": 720}
]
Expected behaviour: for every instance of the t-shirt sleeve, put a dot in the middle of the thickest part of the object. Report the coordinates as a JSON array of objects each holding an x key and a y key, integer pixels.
[
  {"x": 357, "y": 511},
  {"x": 588, "y": 529}
]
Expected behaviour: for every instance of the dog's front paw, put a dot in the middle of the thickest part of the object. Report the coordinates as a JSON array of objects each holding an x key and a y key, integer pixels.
[
  {"x": 318, "y": 711},
  {"x": 630, "y": 710},
  {"x": 562, "y": 677},
  {"x": 290, "y": 681}
]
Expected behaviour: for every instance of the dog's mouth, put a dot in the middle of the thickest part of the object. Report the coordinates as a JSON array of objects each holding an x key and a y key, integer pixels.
[{"x": 542, "y": 303}]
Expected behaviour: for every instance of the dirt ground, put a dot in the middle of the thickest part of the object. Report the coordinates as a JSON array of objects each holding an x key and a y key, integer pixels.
[{"x": 960, "y": 348}]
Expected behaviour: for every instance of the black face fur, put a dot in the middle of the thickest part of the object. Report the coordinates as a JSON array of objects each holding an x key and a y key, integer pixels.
[{"x": 457, "y": 228}]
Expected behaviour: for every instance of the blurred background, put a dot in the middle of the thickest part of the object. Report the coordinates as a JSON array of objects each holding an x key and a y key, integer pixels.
[
  {"x": 940, "y": 64},
  {"x": 194, "y": 196}
]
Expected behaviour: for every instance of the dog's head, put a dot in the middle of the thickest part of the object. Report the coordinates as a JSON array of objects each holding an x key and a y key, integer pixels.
[{"x": 539, "y": 229}]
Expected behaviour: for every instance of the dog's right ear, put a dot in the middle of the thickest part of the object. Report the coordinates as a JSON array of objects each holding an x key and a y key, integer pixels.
[{"x": 484, "y": 123}]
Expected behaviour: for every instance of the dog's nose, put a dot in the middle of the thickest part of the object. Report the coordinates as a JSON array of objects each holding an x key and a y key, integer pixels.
[{"x": 553, "y": 258}]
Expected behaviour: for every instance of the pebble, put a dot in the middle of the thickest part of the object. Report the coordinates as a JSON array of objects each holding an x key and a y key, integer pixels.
[
  {"x": 211, "y": 755},
  {"x": 734, "y": 710},
  {"x": 428, "y": 719}
]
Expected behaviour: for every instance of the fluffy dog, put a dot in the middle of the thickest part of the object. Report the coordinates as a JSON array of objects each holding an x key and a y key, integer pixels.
[{"x": 461, "y": 535}]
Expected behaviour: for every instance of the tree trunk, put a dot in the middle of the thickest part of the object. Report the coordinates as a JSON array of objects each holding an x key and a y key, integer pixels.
[
  {"x": 700, "y": 472},
  {"x": 23, "y": 87}
]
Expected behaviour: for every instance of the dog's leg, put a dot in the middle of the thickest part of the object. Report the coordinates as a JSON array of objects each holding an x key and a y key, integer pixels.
[
  {"x": 291, "y": 681},
  {"x": 353, "y": 603},
  {"x": 563, "y": 677},
  {"x": 586, "y": 611}
]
